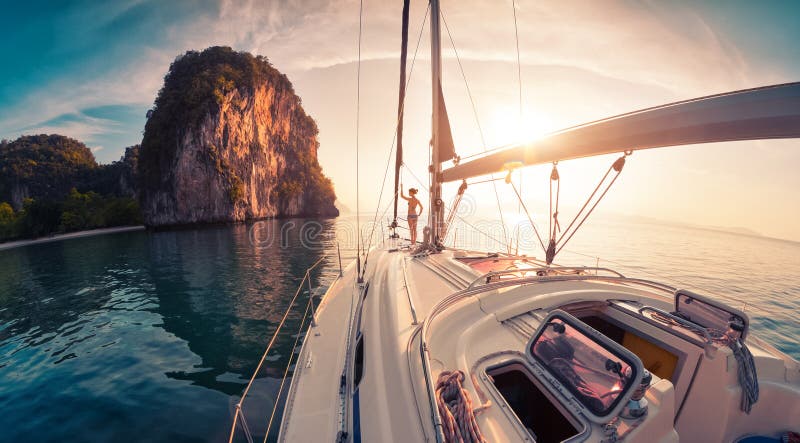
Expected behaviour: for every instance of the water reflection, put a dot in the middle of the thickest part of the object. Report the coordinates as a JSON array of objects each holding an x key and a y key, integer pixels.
[
  {"x": 44, "y": 289},
  {"x": 143, "y": 333},
  {"x": 223, "y": 296}
]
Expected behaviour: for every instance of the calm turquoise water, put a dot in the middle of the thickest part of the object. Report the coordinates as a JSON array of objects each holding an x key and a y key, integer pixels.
[
  {"x": 150, "y": 336},
  {"x": 757, "y": 274},
  {"x": 140, "y": 336}
]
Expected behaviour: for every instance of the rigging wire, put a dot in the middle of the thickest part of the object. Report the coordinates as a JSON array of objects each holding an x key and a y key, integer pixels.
[
  {"x": 394, "y": 138},
  {"x": 519, "y": 82},
  {"x": 487, "y": 151},
  {"x": 530, "y": 219},
  {"x": 486, "y": 181},
  {"x": 358, "y": 118},
  {"x": 462, "y": 219},
  {"x": 480, "y": 129},
  {"x": 289, "y": 364},
  {"x": 519, "y": 64},
  {"x": 616, "y": 166}
]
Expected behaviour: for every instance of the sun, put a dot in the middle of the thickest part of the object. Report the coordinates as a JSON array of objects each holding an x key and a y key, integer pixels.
[{"x": 505, "y": 126}]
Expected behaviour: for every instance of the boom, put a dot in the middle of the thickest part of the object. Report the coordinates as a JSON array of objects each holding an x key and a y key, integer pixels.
[{"x": 769, "y": 112}]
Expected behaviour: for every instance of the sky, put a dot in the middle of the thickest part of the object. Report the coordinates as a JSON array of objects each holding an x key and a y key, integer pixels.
[{"x": 91, "y": 70}]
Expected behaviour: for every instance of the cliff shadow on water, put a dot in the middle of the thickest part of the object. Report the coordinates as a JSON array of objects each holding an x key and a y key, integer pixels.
[
  {"x": 156, "y": 330},
  {"x": 224, "y": 295}
]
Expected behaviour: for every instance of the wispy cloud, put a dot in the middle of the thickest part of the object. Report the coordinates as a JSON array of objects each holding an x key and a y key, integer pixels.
[
  {"x": 667, "y": 46},
  {"x": 581, "y": 60},
  {"x": 135, "y": 83},
  {"x": 78, "y": 126}
]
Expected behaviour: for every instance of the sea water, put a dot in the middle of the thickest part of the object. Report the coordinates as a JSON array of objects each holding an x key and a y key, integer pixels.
[{"x": 151, "y": 336}]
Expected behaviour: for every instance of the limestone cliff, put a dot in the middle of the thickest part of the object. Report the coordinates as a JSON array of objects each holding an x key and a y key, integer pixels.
[{"x": 228, "y": 140}]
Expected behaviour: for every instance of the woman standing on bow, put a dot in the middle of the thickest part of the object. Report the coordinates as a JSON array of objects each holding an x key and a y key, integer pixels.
[{"x": 413, "y": 215}]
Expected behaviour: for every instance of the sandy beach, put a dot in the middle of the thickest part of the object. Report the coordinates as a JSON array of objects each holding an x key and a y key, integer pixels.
[{"x": 79, "y": 234}]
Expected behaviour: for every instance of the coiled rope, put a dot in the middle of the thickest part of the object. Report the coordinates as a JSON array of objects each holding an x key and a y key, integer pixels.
[
  {"x": 748, "y": 378},
  {"x": 455, "y": 409},
  {"x": 746, "y": 373}
]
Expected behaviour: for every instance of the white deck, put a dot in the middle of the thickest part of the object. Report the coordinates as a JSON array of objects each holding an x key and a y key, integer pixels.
[{"x": 391, "y": 401}]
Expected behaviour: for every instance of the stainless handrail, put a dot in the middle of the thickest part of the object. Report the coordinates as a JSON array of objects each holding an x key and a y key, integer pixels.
[
  {"x": 697, "y": 329},
  {"x": 544, "y": 269},
  {"x": 239, "y": 414}
]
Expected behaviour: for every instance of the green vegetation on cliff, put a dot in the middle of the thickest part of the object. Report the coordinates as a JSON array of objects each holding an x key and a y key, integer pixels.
[
  {"x": 196, "y": 87},
  {"x": 43, "y": 166},
  {"x": 52, "y": 184}
]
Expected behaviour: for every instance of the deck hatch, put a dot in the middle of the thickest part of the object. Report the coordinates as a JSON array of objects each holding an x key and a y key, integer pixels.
[
  {"x": 585, "y": 366},
  {"x": 537, "y": 410},
  {"x": 711, "y": 314}
]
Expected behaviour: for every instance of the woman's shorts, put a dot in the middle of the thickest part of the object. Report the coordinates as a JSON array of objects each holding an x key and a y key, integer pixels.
[{"x": 413, "y": 216}]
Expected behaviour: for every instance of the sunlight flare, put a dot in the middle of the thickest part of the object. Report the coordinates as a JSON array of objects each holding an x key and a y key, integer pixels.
[{"x": 506, "y": 127}]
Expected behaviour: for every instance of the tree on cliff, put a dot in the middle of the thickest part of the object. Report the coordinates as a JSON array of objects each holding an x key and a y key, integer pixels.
[
  {"x": 47, "y": 167},
  {"x": 55, "y": 185},
  {"x": 228, "y": 125},
  {"x": 42, "y": 166}
]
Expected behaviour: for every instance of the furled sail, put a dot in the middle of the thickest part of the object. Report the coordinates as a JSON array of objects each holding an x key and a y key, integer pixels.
[
  {"x": 400, "y": 105},
  {"x": 769, "y": 112},
  {"x": 446, "y": 148}
]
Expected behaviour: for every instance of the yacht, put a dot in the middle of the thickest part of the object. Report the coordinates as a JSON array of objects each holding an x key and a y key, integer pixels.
[{"x": 428, "y": 343}]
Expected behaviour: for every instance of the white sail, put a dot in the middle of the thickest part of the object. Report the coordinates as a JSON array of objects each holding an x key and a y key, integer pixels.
[{"x": 754, "y": 114}]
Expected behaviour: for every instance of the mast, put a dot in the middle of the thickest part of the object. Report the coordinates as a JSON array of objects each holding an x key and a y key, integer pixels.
[
  {"x": 400, "y": 106},
  {"x": 435, "y": 206}
]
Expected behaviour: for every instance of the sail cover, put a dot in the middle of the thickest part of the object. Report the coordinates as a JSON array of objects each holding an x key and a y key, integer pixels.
[
  {"x": 769, "y": 112},
  {"x": 398, "y": 163}
]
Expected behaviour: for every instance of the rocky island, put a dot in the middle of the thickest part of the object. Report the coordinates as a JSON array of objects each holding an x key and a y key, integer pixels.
[{"x": 228, "y": 141}]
